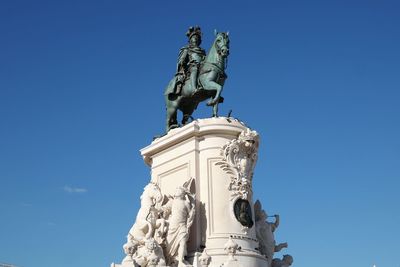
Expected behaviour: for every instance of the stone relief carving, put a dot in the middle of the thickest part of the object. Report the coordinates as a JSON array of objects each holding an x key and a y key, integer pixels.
[
  {"x": 243, "y": 214},
  {"x": 161, "y": 229},
  {"x": 239, "y": 157},
  {"x": 265, "y": 233},
  {"x": 160, "y": 233},
  {"x": 286, "y": 261},
  {"x": 182, "y": 209},
  {"x": 148, "y": 218},
  {"x": 231, "y": 248},
  {"x": 204, "y": 259}
]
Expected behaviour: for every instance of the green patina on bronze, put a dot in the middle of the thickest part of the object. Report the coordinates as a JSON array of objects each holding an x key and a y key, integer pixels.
[
  {"x": 198, "y": 77},
  {"x": 242, "y": 210}
]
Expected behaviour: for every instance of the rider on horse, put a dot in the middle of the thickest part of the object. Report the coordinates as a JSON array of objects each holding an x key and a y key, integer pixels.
[
  {"x": 190, "y": 57},
  {"x": 198, "y": 77}
]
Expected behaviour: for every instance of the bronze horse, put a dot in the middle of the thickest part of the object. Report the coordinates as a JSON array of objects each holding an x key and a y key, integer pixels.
[{"x": 211, "y": 80}]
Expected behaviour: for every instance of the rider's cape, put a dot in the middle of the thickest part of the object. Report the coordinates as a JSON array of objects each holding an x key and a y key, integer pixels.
[{"x": 182, "y": 69}]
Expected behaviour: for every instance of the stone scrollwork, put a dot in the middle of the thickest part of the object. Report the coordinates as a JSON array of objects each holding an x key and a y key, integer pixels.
[{"x": 239, "y": 157}]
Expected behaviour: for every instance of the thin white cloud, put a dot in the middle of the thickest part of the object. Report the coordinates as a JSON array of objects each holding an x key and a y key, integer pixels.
[
  {"x": 25, "y": 204},
  {"x": 78, "y": 190}
]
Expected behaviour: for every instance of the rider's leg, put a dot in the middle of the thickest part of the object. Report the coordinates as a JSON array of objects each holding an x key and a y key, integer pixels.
[{"x": 193, "y": 77}]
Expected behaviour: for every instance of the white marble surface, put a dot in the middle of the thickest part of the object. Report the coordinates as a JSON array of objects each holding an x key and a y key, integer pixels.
[{"x": 210, "y": 162}]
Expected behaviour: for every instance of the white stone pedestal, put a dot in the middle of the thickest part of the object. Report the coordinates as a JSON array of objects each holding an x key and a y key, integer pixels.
[{"x": 195, "y": 151}]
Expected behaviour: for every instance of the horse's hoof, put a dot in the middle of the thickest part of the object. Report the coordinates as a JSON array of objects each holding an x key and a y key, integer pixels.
[
  {"x": 211, "y": 103},
  {"x": 172, "y": 126}
]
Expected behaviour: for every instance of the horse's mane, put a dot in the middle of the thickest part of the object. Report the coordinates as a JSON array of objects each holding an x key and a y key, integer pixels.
[{"x": 149, "y": 186}]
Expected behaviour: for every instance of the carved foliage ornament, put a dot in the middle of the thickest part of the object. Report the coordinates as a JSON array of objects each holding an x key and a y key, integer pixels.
[{"x": 239, "y": 157}]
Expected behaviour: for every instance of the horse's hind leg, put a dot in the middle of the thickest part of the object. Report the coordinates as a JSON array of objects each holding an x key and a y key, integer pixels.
[
  {"x": 187, "y": 112},
  {"x": 185, "y": 119},
  {"x": 171, "y": 119},
  {"x": 171, "y": 115}
]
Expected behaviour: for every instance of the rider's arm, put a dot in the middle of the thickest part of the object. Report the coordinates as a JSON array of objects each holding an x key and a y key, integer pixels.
[{"x": 181, "y": 60}]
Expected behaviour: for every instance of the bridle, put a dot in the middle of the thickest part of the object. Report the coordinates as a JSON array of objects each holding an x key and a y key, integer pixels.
[{"x": 219, "y": 52}]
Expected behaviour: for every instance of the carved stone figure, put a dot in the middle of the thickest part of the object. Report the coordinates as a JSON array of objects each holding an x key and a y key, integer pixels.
[
  {"x": 286, "y": 261},
  {"x": 149, "y": 230},
  {"x": 231, "y": 247},
  {"x": 153, "y": 261},
  {"x": 265, "y": 233},
  {"x": 239, "y": 159},
  {"x": 204, "y": 259},
  {"x": 130, "y": 249},
  {"x": 197, "y": 79},
  {"x": 181, "y": 218},
  {"x": 160, "y": 229},
  {"x": 151, "y": 253},
  {"x": 145, "y": 225}
]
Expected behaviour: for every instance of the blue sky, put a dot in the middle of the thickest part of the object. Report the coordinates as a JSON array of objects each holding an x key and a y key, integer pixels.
[{"x": 81, "y": 91}]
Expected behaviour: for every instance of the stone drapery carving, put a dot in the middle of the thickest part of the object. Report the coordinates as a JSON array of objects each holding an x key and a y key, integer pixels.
[
  {"x": 265, "y": 233},
  {"x": 161, "y": 229},
  {"x": 181, "y": 218},
  {"x": 239, "y": 157}
]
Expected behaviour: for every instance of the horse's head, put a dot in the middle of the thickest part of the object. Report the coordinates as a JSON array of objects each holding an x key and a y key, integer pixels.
[
  {"x": 222, "y": 43},
  {"x": 152, "y": 193}
]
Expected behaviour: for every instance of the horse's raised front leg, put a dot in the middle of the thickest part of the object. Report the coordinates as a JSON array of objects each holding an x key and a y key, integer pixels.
[
  {"x": 209, "y": 84},
  {"x": 218, "y": 89}
]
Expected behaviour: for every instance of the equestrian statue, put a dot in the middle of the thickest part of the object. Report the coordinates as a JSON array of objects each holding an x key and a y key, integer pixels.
[{"x": 198, "y": 77}]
